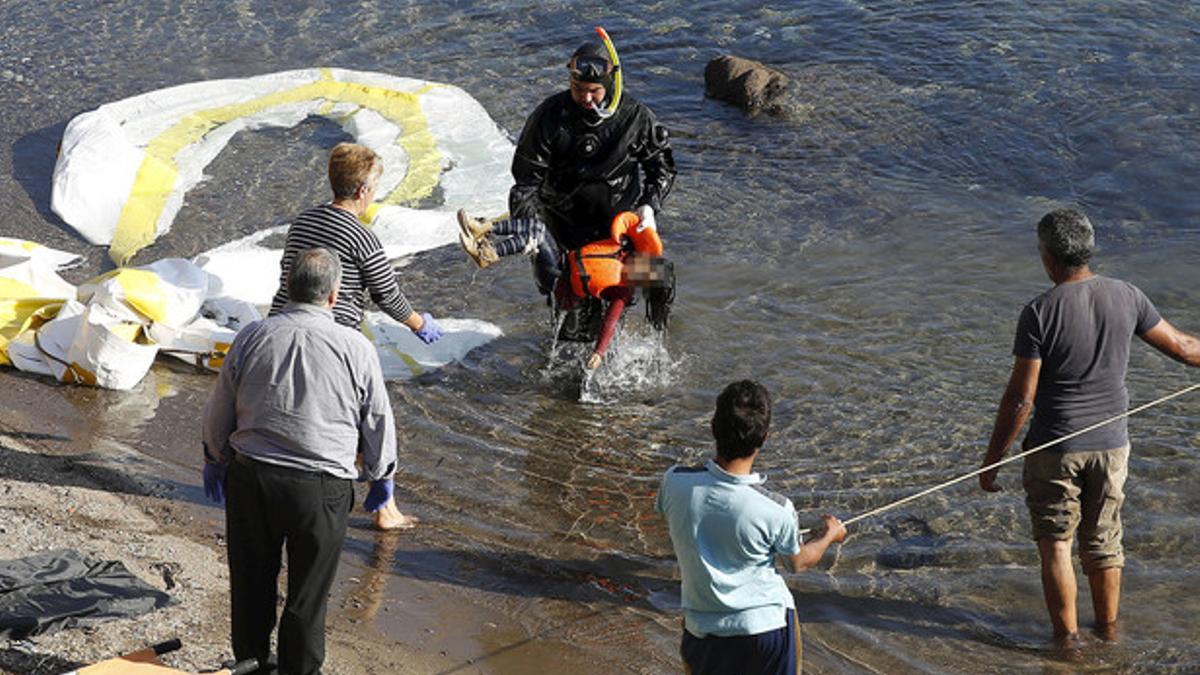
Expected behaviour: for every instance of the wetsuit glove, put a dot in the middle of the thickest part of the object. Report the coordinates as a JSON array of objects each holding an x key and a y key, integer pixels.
[
  {"x": 379, "y": 494},
  {"x": 214, "y": 481},
  {"x": 645, "y": 214},
  {"x": 430, "y": 330}
]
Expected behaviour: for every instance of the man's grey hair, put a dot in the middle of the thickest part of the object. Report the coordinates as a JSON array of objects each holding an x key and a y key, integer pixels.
[
  {"x": 1068, "y": 236},
  {"x": 314, "y": 275}
]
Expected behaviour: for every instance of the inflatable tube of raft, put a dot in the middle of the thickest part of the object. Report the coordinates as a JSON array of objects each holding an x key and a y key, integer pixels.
[
  {"x": 124, "y": 169},
  {"x": 123, "y": 173}
]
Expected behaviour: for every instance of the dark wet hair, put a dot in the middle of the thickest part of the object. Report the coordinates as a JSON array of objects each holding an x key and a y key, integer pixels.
[
  {"x": 742, "y": 419},
  {"x": 313, "y": 276},
  {"x": 1068, "y": 236},
  {"x": 660, "y": 293}
]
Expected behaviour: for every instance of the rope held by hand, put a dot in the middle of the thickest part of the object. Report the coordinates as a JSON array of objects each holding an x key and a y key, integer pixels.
[{"x": 989, "y": 467}]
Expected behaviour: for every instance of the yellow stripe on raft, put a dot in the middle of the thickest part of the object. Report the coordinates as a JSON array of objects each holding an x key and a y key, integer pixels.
[
  {"x": 408, "y": 360},
  {"x": 156, "y": 177},
  {"x": 144, "y": 292},
  {"x": 21, "y": 244},
  {"x": 20, "y": 304}
]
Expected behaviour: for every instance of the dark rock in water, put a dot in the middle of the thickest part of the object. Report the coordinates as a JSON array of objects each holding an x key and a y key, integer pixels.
[
  {"x": 920, "y": 551},
  {"x": 748, "y": 84},
  {"x": 932, "y": 544},
  {"x": 919, "y": 544}
]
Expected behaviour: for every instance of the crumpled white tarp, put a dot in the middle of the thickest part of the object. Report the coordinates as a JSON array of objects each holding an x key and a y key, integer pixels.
[
  {"x": 402, "y": 355},
  {"x": 125, "y": 318},
  {"x": 123, "y": 173},
  {"x": 111, "y": 335},
  {"x": 36, "y": 267},
  {"x": 29, "y": 286},
  {"x": 124, "y": 169},
  {"x": 44, "y": 349}
]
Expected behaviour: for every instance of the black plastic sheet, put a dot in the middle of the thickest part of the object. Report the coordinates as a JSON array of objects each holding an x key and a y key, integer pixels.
[{"x": 50, "y": 591}]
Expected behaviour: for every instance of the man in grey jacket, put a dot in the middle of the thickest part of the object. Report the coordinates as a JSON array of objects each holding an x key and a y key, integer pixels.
[{"x": 298, "y": 401}]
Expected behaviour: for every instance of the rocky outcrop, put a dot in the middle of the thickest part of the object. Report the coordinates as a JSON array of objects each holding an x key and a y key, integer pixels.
[{"x": 748, "y": 84}]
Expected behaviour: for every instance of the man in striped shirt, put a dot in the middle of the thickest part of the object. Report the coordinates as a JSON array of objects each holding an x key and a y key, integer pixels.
[{"x": 354, "y": 172}]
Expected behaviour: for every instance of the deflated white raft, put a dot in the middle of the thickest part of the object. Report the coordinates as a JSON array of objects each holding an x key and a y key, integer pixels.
[
  {"x": 108, "y": 332},
  {"x": 124, "y": 169},
  {"x": 28, "y": 281},
  {"x": 402, "y": 355}
]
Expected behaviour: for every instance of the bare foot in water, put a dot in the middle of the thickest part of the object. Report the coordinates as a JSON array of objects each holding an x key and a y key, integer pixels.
[
  {"x": 1069, "y": 647},
  {"x": 390, "y": 518},
  {"x": 1109, "y": 632}
]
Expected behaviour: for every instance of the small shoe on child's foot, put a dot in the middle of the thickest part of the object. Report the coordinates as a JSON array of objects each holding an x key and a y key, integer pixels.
[
  {"x": 476, "y": 228},
  {"x": 468, "y": 244},
  {"x": 479, "y": 250}
]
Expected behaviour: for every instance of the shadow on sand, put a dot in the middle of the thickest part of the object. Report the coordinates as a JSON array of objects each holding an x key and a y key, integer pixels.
[
  {"x": 609, "y": 583},
  {"x": 34, "y": 155},
  {"x": 125, "y": 474}
]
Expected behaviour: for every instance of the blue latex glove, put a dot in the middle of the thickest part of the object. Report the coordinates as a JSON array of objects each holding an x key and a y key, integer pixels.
[
  {"x": 214, "y": 481},
  {"x": 430, "y": 330},
  {"x": 378, "y": 495}
]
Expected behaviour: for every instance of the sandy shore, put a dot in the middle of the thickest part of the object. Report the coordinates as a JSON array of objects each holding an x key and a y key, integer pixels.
[{"x": 52, "y": 501}]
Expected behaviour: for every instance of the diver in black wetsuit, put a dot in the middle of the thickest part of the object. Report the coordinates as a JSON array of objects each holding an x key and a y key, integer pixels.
[{"x": 580, "y": 161}]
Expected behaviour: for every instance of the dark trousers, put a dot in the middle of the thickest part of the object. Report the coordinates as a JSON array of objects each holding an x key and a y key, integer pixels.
[
  {"x": 267, "y": 508},
  {"x": 775, "y": 652},
  {"x": 547, "y": 265}
]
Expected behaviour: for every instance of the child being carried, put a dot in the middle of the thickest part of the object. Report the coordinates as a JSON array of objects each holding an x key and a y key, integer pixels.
[{"x": 605, "y": 271}]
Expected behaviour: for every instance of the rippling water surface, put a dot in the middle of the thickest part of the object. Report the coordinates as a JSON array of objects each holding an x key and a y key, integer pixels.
[{"x": 865, "y": 256}]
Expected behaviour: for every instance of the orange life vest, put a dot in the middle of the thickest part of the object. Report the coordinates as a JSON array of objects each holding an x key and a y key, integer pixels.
[{"x": 597, "y": 266}]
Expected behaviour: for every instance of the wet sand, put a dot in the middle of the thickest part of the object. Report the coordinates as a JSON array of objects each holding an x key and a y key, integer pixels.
[{"x": 404, "y": 602}]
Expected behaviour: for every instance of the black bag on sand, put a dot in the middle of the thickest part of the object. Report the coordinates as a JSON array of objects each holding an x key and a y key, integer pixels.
[{"x": 63, "y": 589}]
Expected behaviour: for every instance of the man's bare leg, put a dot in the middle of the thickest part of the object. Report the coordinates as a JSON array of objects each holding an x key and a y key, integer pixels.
[
  {"x": 1058, "y": 586},
  {"x": 389, "y": 518},
  {"x": 1105, "y": 585}
]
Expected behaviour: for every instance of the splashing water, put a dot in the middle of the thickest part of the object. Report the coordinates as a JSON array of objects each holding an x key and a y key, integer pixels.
[
  {"x": 638, "y": 361},
  {"x": 557, "y": 319}
]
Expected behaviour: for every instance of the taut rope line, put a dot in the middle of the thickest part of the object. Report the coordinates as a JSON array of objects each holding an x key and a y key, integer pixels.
[{"x": 989, "y": 467}]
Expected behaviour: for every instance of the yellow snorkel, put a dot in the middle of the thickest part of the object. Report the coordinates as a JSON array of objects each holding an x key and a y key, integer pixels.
[{"x": 617, "y": 78}]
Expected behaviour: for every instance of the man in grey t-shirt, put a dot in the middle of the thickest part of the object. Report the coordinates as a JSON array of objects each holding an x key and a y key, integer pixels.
[{"x": 1071, "y": 355}]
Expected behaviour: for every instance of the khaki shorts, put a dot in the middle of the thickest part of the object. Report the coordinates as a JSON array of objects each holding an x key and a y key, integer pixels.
[{"x": 1080, "y": 491}]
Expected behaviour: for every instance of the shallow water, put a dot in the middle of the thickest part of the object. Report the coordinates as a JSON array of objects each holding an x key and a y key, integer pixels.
[{"x": 866, "y": 257}]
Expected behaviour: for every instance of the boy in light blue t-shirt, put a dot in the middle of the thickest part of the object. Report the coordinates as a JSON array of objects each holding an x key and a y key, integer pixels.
[{"x": 727, "y": 530}]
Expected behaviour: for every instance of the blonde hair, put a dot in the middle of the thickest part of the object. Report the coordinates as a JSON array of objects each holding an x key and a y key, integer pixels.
[{"x": 351, "y": 166}]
